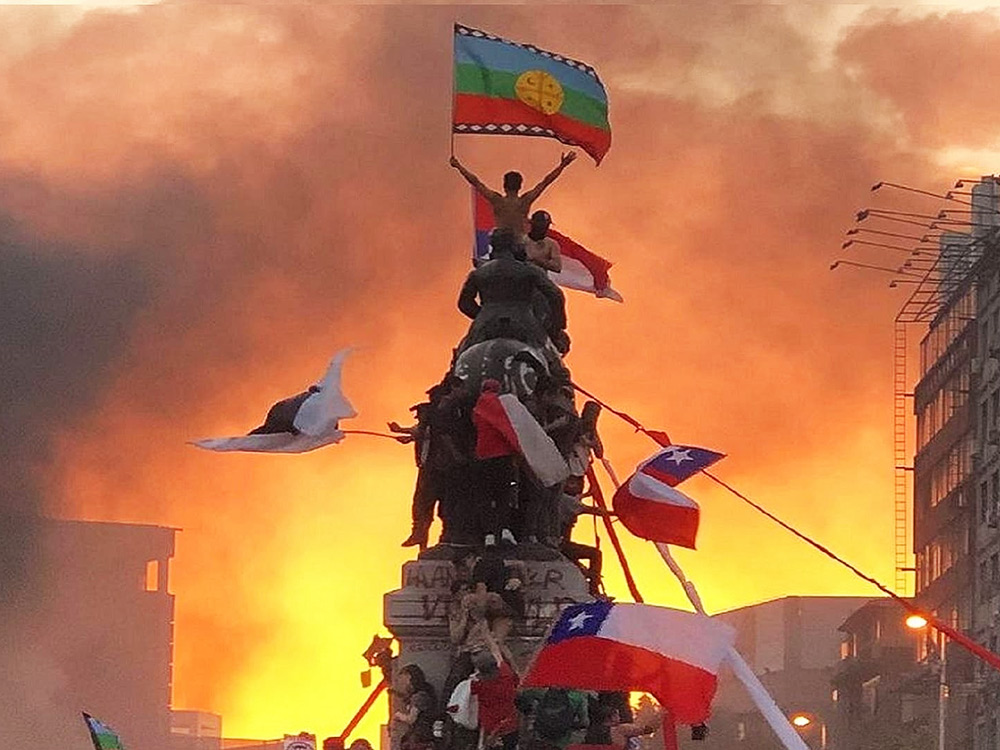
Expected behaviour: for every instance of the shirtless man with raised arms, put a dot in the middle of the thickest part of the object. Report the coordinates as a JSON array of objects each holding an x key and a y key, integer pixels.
[{"x": 510, "y": 208}]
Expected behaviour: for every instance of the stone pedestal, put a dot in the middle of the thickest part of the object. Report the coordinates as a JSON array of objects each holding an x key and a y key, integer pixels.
[{"x": 417, "y": 613}]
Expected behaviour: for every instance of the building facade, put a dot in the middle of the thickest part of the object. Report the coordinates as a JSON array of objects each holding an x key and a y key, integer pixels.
[
  {"x": 957, "y": 405},
  {"x": 885, "y": 696},
  {"x": 793, "y": 645},
  {"x": 984, "y": 683},
  {"x": 106, "y": 623}
]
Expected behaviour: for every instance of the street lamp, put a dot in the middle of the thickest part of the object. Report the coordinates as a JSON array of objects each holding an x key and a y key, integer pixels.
[
  {"x": 917, "y": 622},
  {"x": 804, "y": 722}
]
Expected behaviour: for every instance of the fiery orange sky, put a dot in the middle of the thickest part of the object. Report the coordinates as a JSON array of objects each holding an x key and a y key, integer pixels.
[{"x": 239, "y": 191}]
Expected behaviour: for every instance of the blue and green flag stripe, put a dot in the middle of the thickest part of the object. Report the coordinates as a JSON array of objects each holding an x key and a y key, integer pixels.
[
  {"x": 487, "y": 69},
  {"x": 103, "y": 736}
]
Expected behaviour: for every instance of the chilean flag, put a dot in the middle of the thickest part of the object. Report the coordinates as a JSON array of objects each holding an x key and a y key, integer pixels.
[
  {"x": 675, "y": 463},
  {"x": 581, "y": 269},
  {"x": 672, "y": 655},
  {"x": 504, "y": 426}
]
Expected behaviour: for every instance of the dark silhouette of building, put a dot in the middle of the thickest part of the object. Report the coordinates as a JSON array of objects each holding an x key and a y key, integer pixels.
[
  {"x": 886, "y": 699},
  {"x": 105, "y": 621},
  {"x": 793, "y": 646}
]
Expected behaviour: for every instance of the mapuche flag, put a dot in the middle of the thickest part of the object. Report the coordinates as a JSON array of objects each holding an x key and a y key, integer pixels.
[
  {"x": 673, "y": 655},
  {"x": 507, "y": 88},
  {"x": 103, "y": 736}
]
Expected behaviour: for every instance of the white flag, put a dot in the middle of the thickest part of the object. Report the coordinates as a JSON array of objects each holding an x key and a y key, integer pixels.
[{"x": 298, "y": 424}]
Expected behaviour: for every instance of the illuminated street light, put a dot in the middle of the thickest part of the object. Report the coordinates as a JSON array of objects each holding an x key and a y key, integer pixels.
[
  {"x": 801, "y": 720},
  {"x": 916, "y": 622}
]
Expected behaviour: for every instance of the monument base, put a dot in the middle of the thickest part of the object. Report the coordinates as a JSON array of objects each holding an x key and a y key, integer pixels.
[{"x": 417, "y": 613}]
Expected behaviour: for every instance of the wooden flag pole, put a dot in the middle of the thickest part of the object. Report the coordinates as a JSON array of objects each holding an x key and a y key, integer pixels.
[
  {"x": 598, "y": 496},
  {"x": 758, "y": 693}
]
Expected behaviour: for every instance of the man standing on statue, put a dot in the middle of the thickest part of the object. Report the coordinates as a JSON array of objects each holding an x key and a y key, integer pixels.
[
  {"x": 541, "y": 249},
  {"x": 510, "y": 209}
]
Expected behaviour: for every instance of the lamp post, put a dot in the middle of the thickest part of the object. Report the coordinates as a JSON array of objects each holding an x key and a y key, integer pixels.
[{"x": 916, "y": 622}]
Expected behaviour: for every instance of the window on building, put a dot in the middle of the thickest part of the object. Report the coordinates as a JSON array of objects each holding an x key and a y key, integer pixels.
[
  {"x": 741, "y": 731},
  {"x": 994, "y": 569},
  {"x": 984, "y": 501},
  {"x": 984, "y": 580},
  {"x": 152, "y": 582}
]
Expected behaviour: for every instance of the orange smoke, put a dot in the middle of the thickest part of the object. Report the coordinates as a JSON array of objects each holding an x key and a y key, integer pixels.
[{"x": 278, "y": 178}]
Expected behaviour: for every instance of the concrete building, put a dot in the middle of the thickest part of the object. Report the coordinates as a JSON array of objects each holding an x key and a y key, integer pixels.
[
  {"x": 885, "y": 697},
  {"x": 957, "y": 404},
  {"x": 195, "y": 730},
  {"x": 793, "y": 645},
  {"x": 983, "y": 683},
  {"x": 106, "y": 623}
]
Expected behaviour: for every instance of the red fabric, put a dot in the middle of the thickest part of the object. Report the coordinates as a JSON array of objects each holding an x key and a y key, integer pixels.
[
  {"x": 495, "y": 434},
  {"x": 472, "y": 109},
  {"x": 658, "y": 521},
  {"x": 496, "y": 701},
  {"x": 595, "y": 663}
]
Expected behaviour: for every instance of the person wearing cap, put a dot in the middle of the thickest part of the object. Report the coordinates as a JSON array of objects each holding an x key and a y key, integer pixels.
[{"x": 541, "y": 249}]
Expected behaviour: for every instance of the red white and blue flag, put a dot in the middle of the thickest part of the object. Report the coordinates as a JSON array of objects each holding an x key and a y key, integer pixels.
[
  {"x": 581, "y": 269},
  {"x": 672, "y": 655},
  {"x": 675, "y": 463},
  {"x": 650, "y": 507}
]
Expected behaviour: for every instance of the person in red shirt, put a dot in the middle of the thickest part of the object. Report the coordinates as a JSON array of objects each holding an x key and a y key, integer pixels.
[{"x": 496, "y": 689}]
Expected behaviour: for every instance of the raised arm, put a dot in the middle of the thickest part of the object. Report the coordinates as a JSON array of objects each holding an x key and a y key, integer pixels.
[
  {"x": 473, "y": 180},
  {"x": 532, "y": 195}
]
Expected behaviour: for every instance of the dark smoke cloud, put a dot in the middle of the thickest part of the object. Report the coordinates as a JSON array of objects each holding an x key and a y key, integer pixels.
[{"x": 64, "y": 318}]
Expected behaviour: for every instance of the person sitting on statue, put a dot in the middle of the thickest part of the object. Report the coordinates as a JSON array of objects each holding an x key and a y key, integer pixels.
[
  {"x": 541, "y": 249},
  {"x": 506, "y": 307},
  {"x": 510, "y": 209}
]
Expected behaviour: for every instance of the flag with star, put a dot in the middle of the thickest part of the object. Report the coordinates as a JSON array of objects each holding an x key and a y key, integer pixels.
[
  {"x": 675, "y": 463},
  {"x": 504, "y": 87},
  {"x": 673, "y": 655},
  {"x": 649, "y": 505}
]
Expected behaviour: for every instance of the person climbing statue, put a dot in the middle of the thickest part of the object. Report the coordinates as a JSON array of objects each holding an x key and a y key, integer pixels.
[
  {"x": 541, "y": 249},
  {"x": 510, "y": 208},
  {"x": 506, "y": 289}
]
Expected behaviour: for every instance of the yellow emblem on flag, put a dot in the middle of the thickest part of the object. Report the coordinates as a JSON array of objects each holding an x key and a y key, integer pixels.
[{"x": 540, "y": 91}]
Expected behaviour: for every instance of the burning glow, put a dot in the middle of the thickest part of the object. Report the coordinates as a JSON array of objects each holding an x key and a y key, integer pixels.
[{"x": 276, "y": 180}]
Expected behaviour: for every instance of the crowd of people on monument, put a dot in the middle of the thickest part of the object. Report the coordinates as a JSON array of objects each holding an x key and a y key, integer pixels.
[
  {"x": 487, "y": 710},
  {"x": 492, "y": 507},
  {"x": 515, "y": 345}
]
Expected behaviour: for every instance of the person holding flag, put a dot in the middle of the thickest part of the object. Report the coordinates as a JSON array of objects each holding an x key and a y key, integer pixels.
[{"x": 510, "y": 208}]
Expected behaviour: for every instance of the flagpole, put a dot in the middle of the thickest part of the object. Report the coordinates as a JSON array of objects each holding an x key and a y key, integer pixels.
[
  {"x": 758, "y": 693},
  {"x": 451, "y": 125},
  {"x": 612, "y": 534}
]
